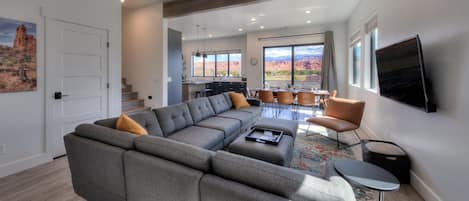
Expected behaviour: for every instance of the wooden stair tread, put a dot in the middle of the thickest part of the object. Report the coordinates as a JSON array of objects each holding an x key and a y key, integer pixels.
[
  {"x": 135, "y": 110},
  {"x": 132, "y": 100}
]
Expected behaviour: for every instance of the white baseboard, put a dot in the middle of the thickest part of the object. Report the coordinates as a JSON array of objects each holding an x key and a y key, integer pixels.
[
  {"x": 423, "y": 189},
  {"x": 23, "y": 164}
]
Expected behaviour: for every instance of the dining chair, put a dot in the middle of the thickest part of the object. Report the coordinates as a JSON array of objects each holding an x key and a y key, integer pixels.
[
  {"x": 267, "y": 99},
  {"x": 286, "y": 98},
  {"x": 306, "y": 99},
  {"x": 341, "y": 115},
  {"x": 323, "y": 101}
]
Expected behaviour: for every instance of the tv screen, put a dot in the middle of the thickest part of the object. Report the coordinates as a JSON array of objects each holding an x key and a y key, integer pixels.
[{"x": 401, "y": 74}]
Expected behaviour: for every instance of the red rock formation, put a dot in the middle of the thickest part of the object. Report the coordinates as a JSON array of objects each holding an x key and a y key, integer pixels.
[{"x": 23, "y": 41}]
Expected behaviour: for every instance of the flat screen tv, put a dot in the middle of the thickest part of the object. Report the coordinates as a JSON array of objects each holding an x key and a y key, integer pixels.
[{"x": 401, "y": 74}]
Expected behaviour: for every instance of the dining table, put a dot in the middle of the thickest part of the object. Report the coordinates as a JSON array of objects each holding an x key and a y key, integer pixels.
[{"x": 322, "y": 94}]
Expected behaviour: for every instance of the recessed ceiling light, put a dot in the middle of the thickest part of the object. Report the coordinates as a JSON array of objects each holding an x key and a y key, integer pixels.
[
  {"x": 210, "y": 35},
  {"x": 308, "y": 12},
  {"x": 261, "y": 27},
  {"x": 122, "y": 1},
  {"x": 240, "y": 29},
  {"x": 253, "y": 19},
  {"x": 309, "y": 21},
  {"x": 183, "y": 38},
  {"x": 261, "y": 15}
]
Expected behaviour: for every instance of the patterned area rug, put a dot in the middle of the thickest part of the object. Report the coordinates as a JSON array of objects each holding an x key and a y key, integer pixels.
[{"x": 312, "y": 153}]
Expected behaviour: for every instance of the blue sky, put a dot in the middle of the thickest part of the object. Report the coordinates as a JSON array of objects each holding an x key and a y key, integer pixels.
[{"x": 8, "y": 30}]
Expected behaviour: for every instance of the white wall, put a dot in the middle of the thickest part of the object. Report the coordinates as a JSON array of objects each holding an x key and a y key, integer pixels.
[
  {"x": 436, "y": 143},
  {"x": 143, "y": 65},
  {"x": 254, "y": 49},
  {"x": 216, "y": 44},
  {"x": 22, "y": 115}
]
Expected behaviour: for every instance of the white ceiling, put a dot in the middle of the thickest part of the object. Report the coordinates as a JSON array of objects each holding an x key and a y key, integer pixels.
[{"x": 271, "y": 14}]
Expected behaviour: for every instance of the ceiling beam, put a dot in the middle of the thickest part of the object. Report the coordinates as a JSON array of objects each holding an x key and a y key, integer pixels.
[{"x": 178, "y": 8}]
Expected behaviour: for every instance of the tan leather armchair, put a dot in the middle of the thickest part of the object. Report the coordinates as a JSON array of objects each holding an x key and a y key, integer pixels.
[{"x": 341, "y": 115}]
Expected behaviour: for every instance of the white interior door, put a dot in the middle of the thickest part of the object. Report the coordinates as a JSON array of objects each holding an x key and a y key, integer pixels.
[{"x": 76, "y": 79}]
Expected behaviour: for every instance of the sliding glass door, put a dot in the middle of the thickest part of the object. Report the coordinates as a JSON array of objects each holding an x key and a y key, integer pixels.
[
  {"x": 296, "y": 65},
  {"x": 278, "y": 66}
]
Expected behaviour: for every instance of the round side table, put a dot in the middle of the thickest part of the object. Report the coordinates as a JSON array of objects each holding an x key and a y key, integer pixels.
[{"x": 367, "y": 175}]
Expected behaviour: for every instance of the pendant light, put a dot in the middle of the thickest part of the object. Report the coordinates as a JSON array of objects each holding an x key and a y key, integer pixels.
[
  {"x": 204, "y": 55},
  {"x": 197, "y": 54}
]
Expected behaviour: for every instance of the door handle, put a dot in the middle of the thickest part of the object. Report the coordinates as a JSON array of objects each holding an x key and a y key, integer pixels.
[{"x": 59, "y": 95}]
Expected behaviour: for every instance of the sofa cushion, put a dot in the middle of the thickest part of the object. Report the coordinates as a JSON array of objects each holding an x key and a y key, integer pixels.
[
  {"x": 228, "y": 98},
  {"x": 200, "y": 109},
  {"x": 146, "y": 119},
  {"x": 202, "y": 137},
  {"x": 97, "y": 169},
  {"x": 125, "y": 123},
  {"x": 172, "y": 150},
  {"x": 157, "y": 179},
  {"x": 220, "y": 103},
  {"x": 174, "y": 118},
  {"x": 228, "y": 126},
  {"x": 253, "y": 109},
  {"x": 213, "y": 188},
  {"x": 245, "y": 117},
  {"x": 288, "y": 183},
  {"x": 106, "y": 135}
]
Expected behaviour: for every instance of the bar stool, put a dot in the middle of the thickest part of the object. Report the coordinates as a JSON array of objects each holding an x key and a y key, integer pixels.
[
  {"x": 306, "y": 99},
  {"x": 286, "y": 98},
  {"x": 267, "y": 98},
  {"x": 323, "y": 101}
]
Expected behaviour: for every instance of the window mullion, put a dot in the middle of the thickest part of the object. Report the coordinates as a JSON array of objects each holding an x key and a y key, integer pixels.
[
  {"x": 216, "y": 71},
  {"x": 228, "y": 65},
  {"x": 292, "y": 65}
]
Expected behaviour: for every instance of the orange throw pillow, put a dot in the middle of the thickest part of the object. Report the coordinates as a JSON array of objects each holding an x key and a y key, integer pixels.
[
  {"x": 125, "y": 123},
  {"x": 239, "y": 101}
]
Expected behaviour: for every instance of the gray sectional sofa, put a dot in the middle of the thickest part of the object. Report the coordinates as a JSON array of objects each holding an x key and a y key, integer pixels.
[{"x": 182, "y": 160}]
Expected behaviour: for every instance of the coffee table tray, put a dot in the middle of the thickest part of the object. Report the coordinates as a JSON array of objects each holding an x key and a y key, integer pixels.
[{"x": 265, "y": 136}]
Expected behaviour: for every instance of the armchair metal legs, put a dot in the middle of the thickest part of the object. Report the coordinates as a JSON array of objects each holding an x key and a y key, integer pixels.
[
  {"x": 350, "y": 145},
  {"x": 337, "y": 138}
]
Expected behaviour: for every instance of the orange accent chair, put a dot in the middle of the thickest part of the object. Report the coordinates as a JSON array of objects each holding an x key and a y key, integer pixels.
[{"x": 341, "y": 115}]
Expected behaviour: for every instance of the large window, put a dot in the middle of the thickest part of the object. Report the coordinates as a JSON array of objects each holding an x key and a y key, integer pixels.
[
  {"x": 372, "y": 71},
  {"x": 217, "y": 65},
  {"x": 298, "y": 65},
  {"x": 356, "y": 62}
]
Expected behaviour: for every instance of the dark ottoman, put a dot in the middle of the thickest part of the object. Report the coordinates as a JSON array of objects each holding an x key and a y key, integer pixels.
[
  {"x": 389, "y": 156},
  {"x": 287, "y": 126},
  {"x": 280, "y": 154}
]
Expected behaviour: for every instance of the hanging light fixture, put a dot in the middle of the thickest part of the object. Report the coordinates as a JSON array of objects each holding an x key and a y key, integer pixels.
[
  {"x": 197, "y": 54},
  {"x": 204, "y": 55}
]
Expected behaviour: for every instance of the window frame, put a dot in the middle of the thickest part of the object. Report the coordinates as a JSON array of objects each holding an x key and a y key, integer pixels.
[
  {"x": 371, "y": 71},
  {"x": 228, "y": 53},
  {"x": 356, "y": 69},
  {"x": 292, "y": 47}
]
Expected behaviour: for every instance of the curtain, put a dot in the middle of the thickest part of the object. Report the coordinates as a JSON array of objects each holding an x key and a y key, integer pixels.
[{"x": 328, "y": 73}]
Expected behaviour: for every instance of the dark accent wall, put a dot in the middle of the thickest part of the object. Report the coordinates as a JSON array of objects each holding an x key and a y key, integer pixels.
[{"x": 175, "y": 68}]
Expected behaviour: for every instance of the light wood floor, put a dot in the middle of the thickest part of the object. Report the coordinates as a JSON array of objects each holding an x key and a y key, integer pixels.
[{"x": 52, "y": 181}]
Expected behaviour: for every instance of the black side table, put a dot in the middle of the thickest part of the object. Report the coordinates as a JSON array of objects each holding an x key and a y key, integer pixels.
[{"x": 367, "y": 175}]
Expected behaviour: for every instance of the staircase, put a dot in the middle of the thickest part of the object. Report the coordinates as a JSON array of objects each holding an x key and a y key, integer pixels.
[{"x": 130, "y": 102}]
